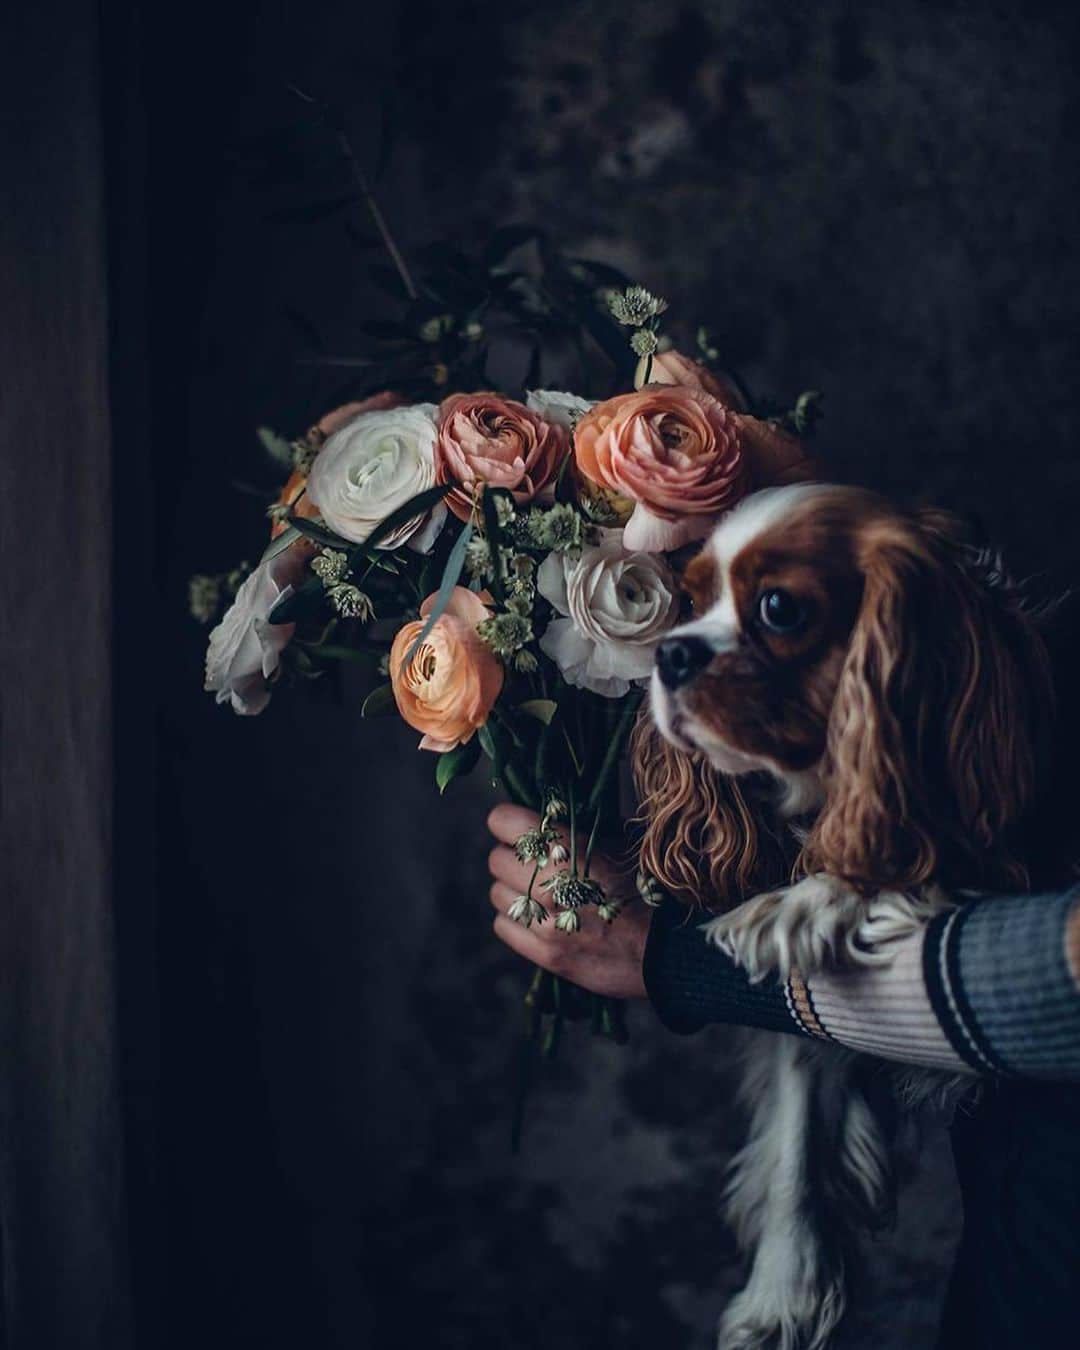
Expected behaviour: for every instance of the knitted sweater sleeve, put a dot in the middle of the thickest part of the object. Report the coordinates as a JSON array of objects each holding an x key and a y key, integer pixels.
[{"x": 991, "y": 987}]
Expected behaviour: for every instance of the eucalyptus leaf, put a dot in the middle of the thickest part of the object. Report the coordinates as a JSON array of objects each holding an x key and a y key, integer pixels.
[
  {"x": 543, "y": 709},
  {"x": 450, "y": 577},
  {"x": 415, "y": 506},
  {"x": 319, "y": 533},
  {"x": 379, "y": 703},
  {"x": 454, "y": 763},
  {"x": 277, "y": 447},
  {"x": 284, "y": 540}
]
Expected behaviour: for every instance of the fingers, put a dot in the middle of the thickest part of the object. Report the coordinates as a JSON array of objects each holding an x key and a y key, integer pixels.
[
  {"x": 506, "y": 822},
  {"x": 525, "y": 942},
  {"x": 502, "y": 896},
  {"x": 504, "y": 866}
]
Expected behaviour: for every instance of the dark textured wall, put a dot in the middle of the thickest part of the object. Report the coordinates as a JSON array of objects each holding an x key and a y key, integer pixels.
[{"x": 873, "y": 199}]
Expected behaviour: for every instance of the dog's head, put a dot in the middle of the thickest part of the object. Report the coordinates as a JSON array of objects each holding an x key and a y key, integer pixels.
[{"x": 857, "y": 657}]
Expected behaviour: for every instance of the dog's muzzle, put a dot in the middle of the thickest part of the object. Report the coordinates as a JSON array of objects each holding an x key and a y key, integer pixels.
[{"x": 678, "y": 659}]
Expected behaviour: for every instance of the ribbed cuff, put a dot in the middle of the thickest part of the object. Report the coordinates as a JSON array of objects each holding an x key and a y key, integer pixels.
[{"x": 692, "y": 984}]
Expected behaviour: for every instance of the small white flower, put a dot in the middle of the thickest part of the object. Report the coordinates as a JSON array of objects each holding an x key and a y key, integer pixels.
[
  {"x": 373, "y": 465},
  {"x": 558, "y": 407},
  {"x": 244, "y": 650},
  {"x": 526, "y": 911},
  {"x": 618, "y": 607},
  {"x": 569, "y": 921},
  {"x": 559, "y": 855}
]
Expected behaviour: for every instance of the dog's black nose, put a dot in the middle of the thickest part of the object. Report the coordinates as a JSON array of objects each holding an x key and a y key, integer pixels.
[{"x": 678, "y": 659}]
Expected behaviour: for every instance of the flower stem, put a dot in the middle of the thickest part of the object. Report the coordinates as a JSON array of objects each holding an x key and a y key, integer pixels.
[{"x": 333, "y": 119}]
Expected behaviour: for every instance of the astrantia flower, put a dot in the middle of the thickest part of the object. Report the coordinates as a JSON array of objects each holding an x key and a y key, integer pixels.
[
  {"x": 372, "y": 465},
  {"x": 560, "y": 529},
  {"x": 674, "y": 450},
  {"x": 487, "y": 440},
  {"x": 506, "y": 633},
  {"x": 618, "y": 605},
  {"x": 534, "y": 845},
  {"x": 635, "y": 306},
  {"x": 568, "y": 921},
  {"x": 449, "y": 685},
  {"x": 244, "y": 650},
  {"x": 569, "y": 891},
  {"x": 526, "y": 911}
]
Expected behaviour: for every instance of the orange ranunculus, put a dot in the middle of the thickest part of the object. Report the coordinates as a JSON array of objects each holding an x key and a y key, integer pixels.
[
  {"x": 673, "y": 450},
  {"x": 294, "y": 496},
  {"x": 487, "y": 439},
  {"x": 452, "y": 681},
  {"x": 673, "y": 368}
]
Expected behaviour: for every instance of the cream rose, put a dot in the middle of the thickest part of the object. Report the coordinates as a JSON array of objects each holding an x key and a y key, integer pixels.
[
  {"x": 557, "y": 407},
  {"x": 674, "y": 451},
  {"x": 245, "y": 649},
  {"x": 452, "y": 681},
  {"x": 618, "y": 605},
  {"x": 373, "y": 464}
]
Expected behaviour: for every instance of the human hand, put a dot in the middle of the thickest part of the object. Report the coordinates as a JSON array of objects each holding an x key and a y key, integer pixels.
[{"x": 604, "y": 958}]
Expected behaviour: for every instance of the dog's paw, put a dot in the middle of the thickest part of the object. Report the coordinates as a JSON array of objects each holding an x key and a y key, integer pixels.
[
  {"x": 781, "y": 1319},
  {"x": 810, "y": 924}
]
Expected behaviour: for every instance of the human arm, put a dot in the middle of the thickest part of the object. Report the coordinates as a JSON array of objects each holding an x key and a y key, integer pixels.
[{"x": 992, "y": 987}]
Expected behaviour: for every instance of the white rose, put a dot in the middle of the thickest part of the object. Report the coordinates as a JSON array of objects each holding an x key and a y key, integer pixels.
[
  {"x": 245, "y": 649},
  {"x": 556, "y": 407},
  {"x": 619, "y": 605},
  {"x": 370, "y": 467}
]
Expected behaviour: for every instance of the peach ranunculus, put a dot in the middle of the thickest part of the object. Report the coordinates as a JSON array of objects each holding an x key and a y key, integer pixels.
[
  {"x": 675, "y": 451},
  {"x": 774, "y": 456},
  {"x": 672, "y": 367},
  {"x": 450, "y": 685},
  {"x": 485, "y": 439}
]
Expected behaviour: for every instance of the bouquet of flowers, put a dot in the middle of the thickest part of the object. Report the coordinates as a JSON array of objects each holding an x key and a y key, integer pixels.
[{"x": 501, "y": 563}]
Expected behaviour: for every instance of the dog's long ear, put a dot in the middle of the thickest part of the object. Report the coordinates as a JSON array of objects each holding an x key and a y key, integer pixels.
[
  {"x": 934, "y": 740},
  {"x": 704, "y": 840}
]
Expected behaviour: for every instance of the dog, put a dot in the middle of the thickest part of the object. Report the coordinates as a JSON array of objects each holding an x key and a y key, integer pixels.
[{"x": 847, "y": 734}]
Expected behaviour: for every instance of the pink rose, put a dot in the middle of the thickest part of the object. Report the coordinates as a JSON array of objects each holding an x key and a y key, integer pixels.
[
  {"x": 673, "y": 450},
  {"x": 485, "y": 439}
]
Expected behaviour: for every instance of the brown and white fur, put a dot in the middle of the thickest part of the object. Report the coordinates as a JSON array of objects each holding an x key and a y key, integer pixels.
[{"x": 846, "y": 774}]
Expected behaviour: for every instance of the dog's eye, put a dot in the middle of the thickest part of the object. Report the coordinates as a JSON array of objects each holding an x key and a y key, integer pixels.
[{"x": 781, "y": 611}]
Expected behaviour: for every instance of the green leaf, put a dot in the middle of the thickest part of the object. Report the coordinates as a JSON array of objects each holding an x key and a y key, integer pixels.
[
  {"x": 494, "y": 536},
  {"x": 277, "y": 447},
  {"x": 336, "y": 652},
  {"x": 450, "y": 577},
  {"x": 415, "y": 506},
  {"x": 454, "y": 763},
  {"x": 313, "y": 530},
  {"x": 543, "y": 709},
  {"x": 379, "y": 703},
  {"x": 285, "y": 540}
]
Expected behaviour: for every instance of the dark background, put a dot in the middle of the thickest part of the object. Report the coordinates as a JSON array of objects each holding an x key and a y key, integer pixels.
[{"x": 317, "y": 1029}]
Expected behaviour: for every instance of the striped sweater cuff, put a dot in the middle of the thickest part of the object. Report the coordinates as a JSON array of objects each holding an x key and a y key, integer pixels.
[{"x": 998, "y": 976}]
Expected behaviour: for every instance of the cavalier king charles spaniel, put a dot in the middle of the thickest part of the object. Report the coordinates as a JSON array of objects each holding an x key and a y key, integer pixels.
[{"x": 847, "y": 735}]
